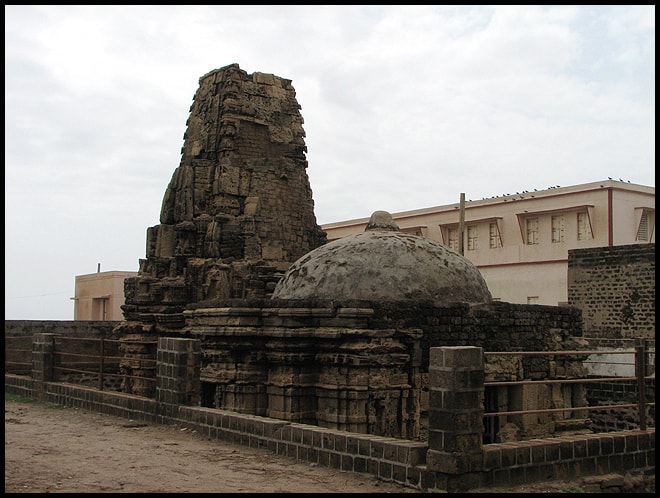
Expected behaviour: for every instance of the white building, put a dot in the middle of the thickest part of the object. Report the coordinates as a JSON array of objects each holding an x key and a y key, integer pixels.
[{"x": 520, "y": 241}]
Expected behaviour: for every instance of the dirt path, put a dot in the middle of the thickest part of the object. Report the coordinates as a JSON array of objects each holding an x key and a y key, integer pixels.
[{"x": 53, "y": 449}]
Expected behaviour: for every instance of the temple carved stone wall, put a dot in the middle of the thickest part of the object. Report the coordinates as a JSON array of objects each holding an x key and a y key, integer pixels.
[
  {"x": 363, "y": 366},
  {"x": 237, "y": 220},
  {"x": 238, "y": 209}
]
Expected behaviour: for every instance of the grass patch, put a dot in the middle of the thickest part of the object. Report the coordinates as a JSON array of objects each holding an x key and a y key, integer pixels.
[
  {"x": 18, "y": 398},
  {"x": 571, "y": 489}
]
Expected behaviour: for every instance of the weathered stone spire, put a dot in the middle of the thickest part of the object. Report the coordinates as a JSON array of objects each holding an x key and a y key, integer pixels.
[{"x": 238, "y": 209}]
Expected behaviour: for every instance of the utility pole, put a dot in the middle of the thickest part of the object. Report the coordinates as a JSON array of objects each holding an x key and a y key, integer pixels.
[{"x": 461, "y": 225}]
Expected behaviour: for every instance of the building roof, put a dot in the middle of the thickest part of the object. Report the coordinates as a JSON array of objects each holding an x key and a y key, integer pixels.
[{"x": 506, "y": 197}]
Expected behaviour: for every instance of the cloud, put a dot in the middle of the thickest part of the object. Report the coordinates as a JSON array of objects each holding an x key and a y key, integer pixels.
[{"x": 404, "y": 107}]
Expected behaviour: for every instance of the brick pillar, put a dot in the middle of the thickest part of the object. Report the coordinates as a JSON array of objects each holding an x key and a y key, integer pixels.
[
  {"x": 43, "y": 357},
  {"x": 177, "y": 371},
  {"x": 456, "y": 388}
]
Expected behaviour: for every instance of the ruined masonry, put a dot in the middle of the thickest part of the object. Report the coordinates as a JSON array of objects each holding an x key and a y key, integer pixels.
[
  {"x": 293, "y": 328},
  {"x": 238, "y": 209}
]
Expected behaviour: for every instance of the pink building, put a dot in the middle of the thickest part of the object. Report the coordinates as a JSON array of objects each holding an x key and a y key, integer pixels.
[{"x": 99, "y": 296}]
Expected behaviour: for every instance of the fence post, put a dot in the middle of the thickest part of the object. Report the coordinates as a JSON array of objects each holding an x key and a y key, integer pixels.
[
  {"x": 640, "y": 373},
  {"x": 101, "y": 353},
  {"x": 43, "y": 360},
  {"x": 456, "y": 410}
]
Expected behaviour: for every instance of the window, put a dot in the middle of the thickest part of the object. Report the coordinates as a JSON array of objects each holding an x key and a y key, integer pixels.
[
  {"x": 452, "y": 238},
  {"x": 532, "y": 229},
  {"x": 645, "y": 219},
  {"x": 558, "y": 224},
  {"x": 472, "y": 238},
  {"x": 530, "y": 222},
  {"x": 532, "y": 299},
  {"x": 583, "y": 228},
  {"x": 494, "y": 236},
  {"x": 643, "y": 229}
]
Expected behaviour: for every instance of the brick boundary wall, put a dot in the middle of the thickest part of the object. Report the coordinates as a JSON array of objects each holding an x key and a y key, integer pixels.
[
  {"x": 615, "y": 289},
  {"x": 70, "y": 328},
  {"x": 441, "y": 465},
  {"x": 606, "y": 393}
]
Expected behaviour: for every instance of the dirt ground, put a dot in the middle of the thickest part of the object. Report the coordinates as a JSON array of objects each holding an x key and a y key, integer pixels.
[{"x": 54, "y": 449}]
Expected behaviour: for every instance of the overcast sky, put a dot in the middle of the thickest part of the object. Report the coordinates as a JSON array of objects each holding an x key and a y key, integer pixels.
[{"x": 405, "y": 107}]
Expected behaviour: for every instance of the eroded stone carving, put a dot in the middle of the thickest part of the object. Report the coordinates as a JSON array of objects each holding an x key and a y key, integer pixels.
[{"x": 238, "y": 209}]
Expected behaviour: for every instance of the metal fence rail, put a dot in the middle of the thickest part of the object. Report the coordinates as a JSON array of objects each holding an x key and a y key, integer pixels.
[
  {"x": 640, "y": 352},
  {"x": 96, "y": 357},
  {"x": 100, "y": 359},
  {"x": 18, "y": 355}
]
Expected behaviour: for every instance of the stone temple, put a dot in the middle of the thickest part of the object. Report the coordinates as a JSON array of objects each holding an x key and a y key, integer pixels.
[
  {"x": 289, "y": 326},
  {"x": 238, "y": 209}
]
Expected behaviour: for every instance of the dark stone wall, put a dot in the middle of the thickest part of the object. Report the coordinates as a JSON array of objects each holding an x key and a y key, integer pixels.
[
  {"x": 72, "y": 328},
  {"x": 357, "y": 353},
  {"x": 498, "y": 326},
  {"x": 620, "y": 419},
  {"x": 354, "y": 365},
  {"x": 19, "y": 338},
  {"x": 614, "y": 287}
]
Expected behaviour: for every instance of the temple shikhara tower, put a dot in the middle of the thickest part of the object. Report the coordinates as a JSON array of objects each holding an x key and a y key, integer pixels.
[{"x": 238, "y": 210}]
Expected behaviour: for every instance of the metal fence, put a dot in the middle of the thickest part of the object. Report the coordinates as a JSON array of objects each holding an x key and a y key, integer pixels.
[
  {"x": 106, "y": 364},
  {"x": 114, "y": 364},
  {"x": 643, "y": 373},
  {"x": 18, "y": 355}
]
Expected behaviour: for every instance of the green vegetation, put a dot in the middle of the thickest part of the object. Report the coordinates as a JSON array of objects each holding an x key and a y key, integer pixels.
[
  {"x": 18, "y": 398},
  {"x": 571, "y": 489}
]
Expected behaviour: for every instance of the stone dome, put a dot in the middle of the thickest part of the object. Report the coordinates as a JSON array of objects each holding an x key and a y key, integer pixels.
[{"x": 384, "y": 264}]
